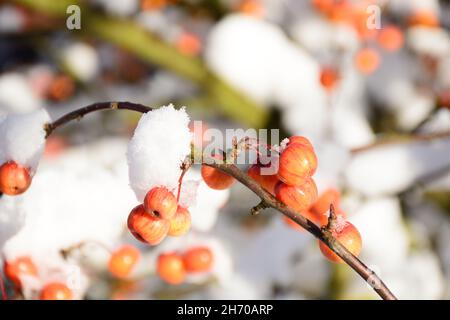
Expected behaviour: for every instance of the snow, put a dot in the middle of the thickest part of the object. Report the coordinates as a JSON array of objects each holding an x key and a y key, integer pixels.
[
  {"x": 393, "y": 168},
  {"x": 70, "y": 201},
  {"x": 22, "y": 138},
  {"x": 81, "y": 60},
  {"x": 16, "y": 95},
  {"x": 429, "y": 41},
  {"x": 159, "y": 145}
]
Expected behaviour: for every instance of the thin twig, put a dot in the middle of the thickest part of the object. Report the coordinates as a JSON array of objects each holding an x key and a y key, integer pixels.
[{"x": 267, "y": 199}]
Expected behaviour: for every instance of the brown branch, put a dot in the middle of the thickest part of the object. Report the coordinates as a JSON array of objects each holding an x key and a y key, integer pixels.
[
  {"x": 323, "y": 235},
  {"x": 80, "y": 113},
  {"x": 267, "y": 200}
]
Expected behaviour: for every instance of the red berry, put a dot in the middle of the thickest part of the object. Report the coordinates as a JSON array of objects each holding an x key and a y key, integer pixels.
[
  {"x": 391, "y": 38},
  {"x": 161, "y": 202},
  {"x": 329, "y": 78},
  {"x": 14, "y": 179},
  {"x": 297, "y": 164},
  {"x": 180, "y": 222},
  {"x": 198, "y": 259},
  {"x": 367, "y": 60},
  {"x": 216, "y": 179},
  {"x": 123, "y": 260},
  {"x": 56, "y": 291},
  {"x": 297, "y": 198},
  {"x": 348, "y": 236},
  {"x": 22, "y": 266},
  {"x": 300, "y": 140},
  {"x": 170, "y": 268},
  {"x": 267, "y": 181},
  {"x": 147, "y": 227}
]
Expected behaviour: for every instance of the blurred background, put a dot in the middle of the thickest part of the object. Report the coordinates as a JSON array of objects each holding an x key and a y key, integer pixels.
[{"x": 368, "y": 82}]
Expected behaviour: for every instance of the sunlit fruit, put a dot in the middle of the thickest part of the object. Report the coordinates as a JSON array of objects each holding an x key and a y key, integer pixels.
[
  {"x": 367, "y": 60},
  {"x": 146, "y": 227},
  {"x": 161, "y": 202},
  {"x": 297, "y": 198},
  {"x": 216, "y": 179},
  {"x": 267, "y": 181},
  {"x": 180, "y": 222},
  {"x": 14, "y": 179},
  {"x": 348, "y": 236},
  {"x": 21, "y": 266},
  {"x": 424, "y": 18},
  {"x": 391, "y": 38},
  {"x": 123, "y": 260},
  {"x": 198, "y": 259},
  {"x": 329, "y": 77},
  {"x": 297, "y": 163},
  {"x": 300, "y": 140},
  {"x": 188, "y": 44},
  {"x": 56, "y": 291},
  {"x": 170, "y": 268}
]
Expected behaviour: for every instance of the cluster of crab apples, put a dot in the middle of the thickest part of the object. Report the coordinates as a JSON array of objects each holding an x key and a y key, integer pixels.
[
  {"x": 160, "y": 215},
  {"x": 171, "y": 267},
  {"x": 294, "y": 186}
]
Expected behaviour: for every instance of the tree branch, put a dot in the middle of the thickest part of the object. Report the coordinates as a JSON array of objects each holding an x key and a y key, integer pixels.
[{"x": 267, "y": 199}]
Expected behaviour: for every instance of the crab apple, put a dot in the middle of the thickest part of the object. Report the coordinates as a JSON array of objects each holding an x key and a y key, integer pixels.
[
  {"x": 216, "y": 179},
  {"x": 297, "y": 198},
  {"x": 367, "y": 60},
  {"x": 348, "y": 236},
  {"x": 123, "y": 260},
  {"x": 170, "y": 268},
  {"x": 267, "y": 181},
  {"x": 329, "y": 197},
  {"x": 146, "y": 227},
  {"x": 180, "y": 222},
  {"x": 198, "y": 259},
  {"x": 391, "y": 38},
  {"x": 161, "y": 202},
  {"x": 300, "y": 140},
  {"x": 56, "y": 291},
  {"x": 329, "y": 77},
  {"x": 424, "y": 18},
  {"x": 14, "y": 179},
  {"x": 21, "y": 266},
  {"x": 308, "y": 214},
  {"x": 297, "y": 163}
]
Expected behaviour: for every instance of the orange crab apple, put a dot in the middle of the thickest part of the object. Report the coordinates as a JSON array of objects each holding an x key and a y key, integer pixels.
[
  {"x": 14, "y": 179},
  {"x": 329, "y": 77},
  {"x": 56, "y": 291},
  {"x": 297, "y": 198},
  {"x": 347, "y": 234},
  {"x": 297, "y": 163},
  {"x": 170, "y": 268},
  {"x": 216, "y": 179},
  {"x": 146, "y": 227},
  {"x": 161, "y": 202},
  {"x": 300, "y": 140},
  {"x": 180, "y": 222},
  {"x": 391, "y": 38},
  {"x": 123, "y": 260},
  {"x": 198, "y": 259},
  {"x": 367, "y": 60},
  {"x": 21, "y": 266},
  {"x": 267, "y": 181}
]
